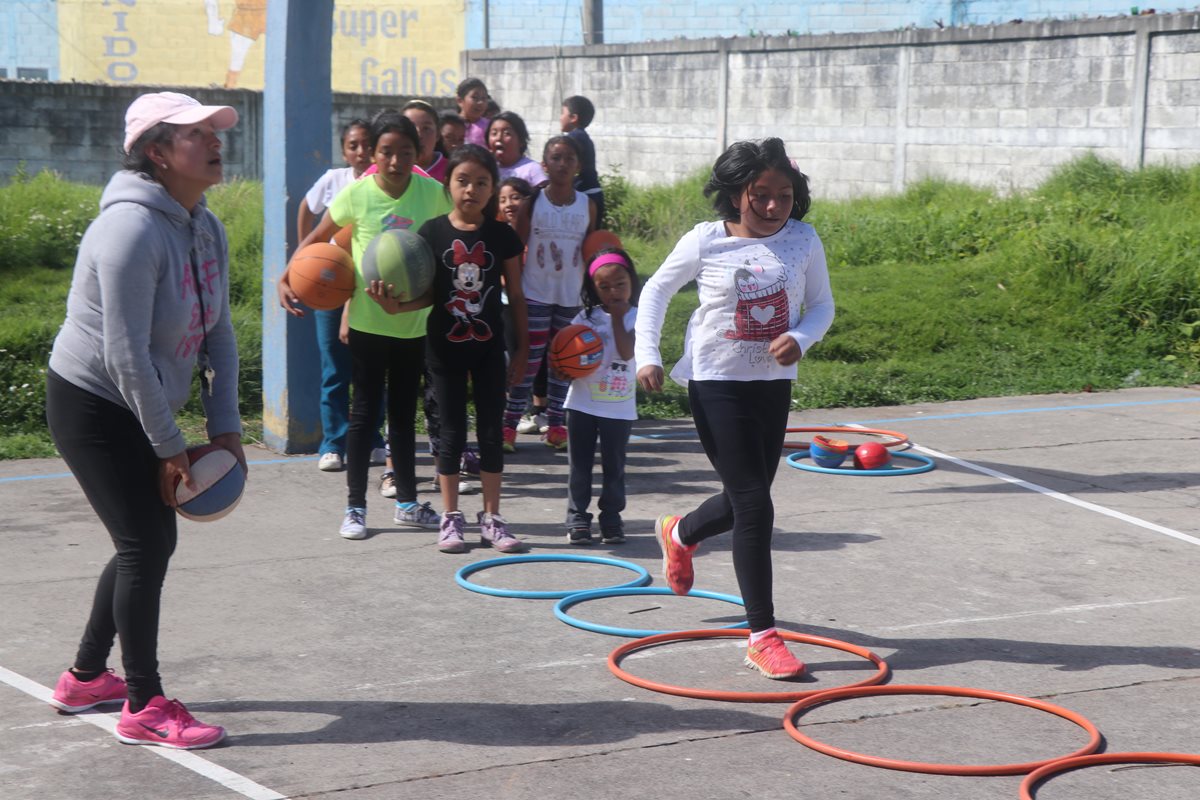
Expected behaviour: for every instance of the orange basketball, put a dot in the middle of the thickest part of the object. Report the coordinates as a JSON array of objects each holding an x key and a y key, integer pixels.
[
  {"x": 597, "y": 241},
  {"x": 342, "y": 238},
  {"x": 576, "y": 351},
  {"x": 322, "y": 276}
]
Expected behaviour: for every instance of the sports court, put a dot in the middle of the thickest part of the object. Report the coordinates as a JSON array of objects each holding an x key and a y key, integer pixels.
[{"x": 1054, "y": 553}]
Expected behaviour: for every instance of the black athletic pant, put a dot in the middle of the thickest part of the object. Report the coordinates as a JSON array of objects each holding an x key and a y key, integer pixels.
[
  {"x": 741, "y": 425},
  {"x": 583, "y": 430},
  {"x": 488, "y": 373},
  {"x": 379, "y": 361},
  {"x": 106, "y": 448}
]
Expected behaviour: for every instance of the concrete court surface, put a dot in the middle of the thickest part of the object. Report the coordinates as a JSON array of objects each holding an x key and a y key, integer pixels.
[{"x": 1054, "y": 553}]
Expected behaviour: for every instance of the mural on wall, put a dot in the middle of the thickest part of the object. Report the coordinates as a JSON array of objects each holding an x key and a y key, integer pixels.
[{"x": 379, "y": 47}]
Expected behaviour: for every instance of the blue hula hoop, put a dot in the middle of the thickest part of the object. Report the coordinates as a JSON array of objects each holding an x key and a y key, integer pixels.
[
  {"x": 460, "y": 577},
  {"x": 560, "y": 608},
  {"x": 924, "y": 464}
]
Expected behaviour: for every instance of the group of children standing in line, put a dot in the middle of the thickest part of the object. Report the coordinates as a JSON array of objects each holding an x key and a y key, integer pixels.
[
  {"x": 455, "y": 336},
  {"x": 499, "y": 223}
]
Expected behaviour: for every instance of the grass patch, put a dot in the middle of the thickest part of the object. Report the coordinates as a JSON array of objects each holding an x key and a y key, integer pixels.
[{"x": 945, "y": 292}]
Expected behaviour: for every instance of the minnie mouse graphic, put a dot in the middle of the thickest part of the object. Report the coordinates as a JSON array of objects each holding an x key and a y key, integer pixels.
[{"x": 466, "y": 301}]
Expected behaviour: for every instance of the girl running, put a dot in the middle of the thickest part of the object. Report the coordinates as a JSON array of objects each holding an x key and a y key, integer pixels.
[{"x": 764, "y": 301}]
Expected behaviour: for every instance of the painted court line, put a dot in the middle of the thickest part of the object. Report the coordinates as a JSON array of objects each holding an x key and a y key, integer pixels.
[
  {"x": 1023, "y": 614},
  {"x": 1066, "y": 498},
  {"x": 105, "y": 722},
  {"x": 966, "y": 414}
]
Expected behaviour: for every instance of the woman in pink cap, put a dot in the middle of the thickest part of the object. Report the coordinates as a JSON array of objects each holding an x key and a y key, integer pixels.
[{"x": 149, "y": 301}]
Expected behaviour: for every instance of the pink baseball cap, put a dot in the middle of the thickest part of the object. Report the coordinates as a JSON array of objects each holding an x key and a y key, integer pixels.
[{"x": 178, "y": 109}]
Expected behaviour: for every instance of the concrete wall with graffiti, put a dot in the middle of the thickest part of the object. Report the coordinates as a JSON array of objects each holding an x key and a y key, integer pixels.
[{"x": 379, "y": 47}]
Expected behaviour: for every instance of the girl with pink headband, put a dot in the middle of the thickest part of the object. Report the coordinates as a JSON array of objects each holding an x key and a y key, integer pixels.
[{"x": 602, "y": 405}]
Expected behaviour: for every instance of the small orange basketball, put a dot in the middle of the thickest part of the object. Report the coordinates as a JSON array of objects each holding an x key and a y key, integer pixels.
[
  {"x": 342, "y": 238},
  {"x": 576, "y": 351},
  {"x": 597, "y": 241},
  {"x": 322, "y": 276}
]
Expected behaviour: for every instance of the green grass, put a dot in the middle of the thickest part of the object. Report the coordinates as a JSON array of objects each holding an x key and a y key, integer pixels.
[{"x": 945, "y": 292}]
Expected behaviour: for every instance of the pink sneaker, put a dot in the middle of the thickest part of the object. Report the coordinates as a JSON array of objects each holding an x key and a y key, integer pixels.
[
  {"x": 677, "y": 560},
  {"x": 770, "y": 656},
  {"x": 73, "y": 695},
  {"x": 556, "y": 437},
  {"x": 493, "y": 531},
  {"x": 166, "y": 723}
]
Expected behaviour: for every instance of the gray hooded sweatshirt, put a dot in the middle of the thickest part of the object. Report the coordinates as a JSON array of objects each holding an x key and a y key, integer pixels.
[{"x": 133, "y": 330}]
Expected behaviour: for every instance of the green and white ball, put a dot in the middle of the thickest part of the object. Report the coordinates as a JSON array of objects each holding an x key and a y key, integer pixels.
[{"x": 401, "y": 258}]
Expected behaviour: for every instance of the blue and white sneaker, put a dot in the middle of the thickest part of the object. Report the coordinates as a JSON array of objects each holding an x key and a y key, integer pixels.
[
  {"x": 417, "y": 515},
  {"x": 354, "y": 524}
]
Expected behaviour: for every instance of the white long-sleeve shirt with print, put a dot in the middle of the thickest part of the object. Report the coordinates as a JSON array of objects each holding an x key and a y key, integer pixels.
[{"x": 750, "y": 291}]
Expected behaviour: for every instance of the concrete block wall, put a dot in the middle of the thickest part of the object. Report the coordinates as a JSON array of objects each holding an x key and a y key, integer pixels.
[
  {"x": 76, "y": 129},
  {"x": 998, "y": 106},
  {"x": 25, "y": 38}
]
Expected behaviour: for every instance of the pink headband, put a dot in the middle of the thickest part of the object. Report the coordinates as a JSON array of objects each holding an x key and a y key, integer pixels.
[{"x": 605, "y": 260}]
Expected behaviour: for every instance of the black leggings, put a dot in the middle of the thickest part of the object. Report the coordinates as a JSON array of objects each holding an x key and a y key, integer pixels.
[
  {"x": 106, "y": 448},
  {"x": 741, "y": 426},
  {"x": 397, "y": 363},
  {"x": 488, "y": 373}
]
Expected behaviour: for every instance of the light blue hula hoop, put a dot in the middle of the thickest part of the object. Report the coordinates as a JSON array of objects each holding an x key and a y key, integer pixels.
[
  {"x": 924, "y": 464},
  {"x": 560, "y": 608},
  {"x": 643, "y": 577}
]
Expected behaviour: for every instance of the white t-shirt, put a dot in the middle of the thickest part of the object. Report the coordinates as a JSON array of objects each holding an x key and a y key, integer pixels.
[
  {"x": 321, "y": 195},
  {"x": 610, "y": 391},
  {"x": 553, "y": 273},
  {"x": 750, "y": 291}
]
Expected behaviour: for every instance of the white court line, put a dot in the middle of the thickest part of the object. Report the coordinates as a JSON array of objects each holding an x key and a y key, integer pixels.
[
  {"x": 1044, "y": 613},
  {"x": 1066, "y": 498},
  {"x": 185, "y": 758}
]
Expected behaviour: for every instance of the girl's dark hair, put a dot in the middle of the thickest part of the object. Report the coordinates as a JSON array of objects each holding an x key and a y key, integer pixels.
[
  {"x": 741, "y": 164},
  {"x": 394, "y": 122},
  {"x": 421, "y": 105},
  {"x": 452, "y": 118},
  {"x": 136, "y": 159},
  {"x": 562, "y": 139},
  {"x": 516, "y": 123},
  {"x": 520, "y": 184},
  {"x": 475, "y": 154},
  {"x": 357, "y": 122},
  {"x": 589, "y": 295},
  {"x": 466, "y": 85}
]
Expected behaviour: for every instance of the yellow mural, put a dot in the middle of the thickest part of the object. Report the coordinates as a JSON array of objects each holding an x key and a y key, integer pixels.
[{"x": 378, "y": 47}]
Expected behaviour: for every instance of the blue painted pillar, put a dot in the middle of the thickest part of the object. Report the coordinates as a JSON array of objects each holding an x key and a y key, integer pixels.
[{"x": 297, "y": 108}]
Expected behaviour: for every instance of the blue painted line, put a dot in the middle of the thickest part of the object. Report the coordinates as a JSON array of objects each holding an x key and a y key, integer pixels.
[
  {"x": 692, "y": 434},
  {"x": 1023, "y": 411},
  {"x": 60, "y": 475}
]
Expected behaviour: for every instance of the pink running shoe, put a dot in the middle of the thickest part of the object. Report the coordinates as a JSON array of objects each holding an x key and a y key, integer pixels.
[
  {"x": 556, "y": 437},
  {"x": 166, "y": 723},
  {"x": 493, "y": 530},
  {"x": 770, "y": 656},
  {"x": 73, "y": 695},
  {"x": 677, "y": 559},
  {"x": 510, "y": 440}
]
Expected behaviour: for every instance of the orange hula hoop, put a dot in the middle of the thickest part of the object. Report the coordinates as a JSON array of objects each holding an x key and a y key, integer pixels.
[
  {"x": 1063, "y": 765},
  {"x": 832, "y": 695},
  {"x": 614, "y": 666},
  {"x": 894, "y": 438}
]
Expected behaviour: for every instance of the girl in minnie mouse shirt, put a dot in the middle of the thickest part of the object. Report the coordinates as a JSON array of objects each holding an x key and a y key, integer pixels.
[{"x": 464, "y": 338}]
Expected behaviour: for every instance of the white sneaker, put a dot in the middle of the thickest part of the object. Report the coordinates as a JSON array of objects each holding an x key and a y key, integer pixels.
[
  {"x": 387, "y": 485},
  {"x": 379, "y": 456},
  {"x": 330, "y": 462},
  {"x": 542, "y": 423},
  {"x": 527, "y": 425},
  {"x": 354, "y": 524}
]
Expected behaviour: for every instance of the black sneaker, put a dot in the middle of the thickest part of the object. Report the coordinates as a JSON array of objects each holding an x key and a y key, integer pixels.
[
  {"x": 614, "y": 536},
  {"x": 580, "y": 535}
]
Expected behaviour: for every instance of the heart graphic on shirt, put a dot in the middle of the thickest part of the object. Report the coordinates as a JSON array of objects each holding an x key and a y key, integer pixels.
[{"x": 762, "y": 314}]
